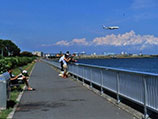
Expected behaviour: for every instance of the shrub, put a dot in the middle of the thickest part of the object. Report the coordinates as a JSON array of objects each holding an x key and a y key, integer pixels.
[{"x": 12, "y": 62}]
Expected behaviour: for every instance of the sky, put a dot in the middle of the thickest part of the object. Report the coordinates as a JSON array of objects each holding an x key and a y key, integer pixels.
[{"x": 52, "y": 26}]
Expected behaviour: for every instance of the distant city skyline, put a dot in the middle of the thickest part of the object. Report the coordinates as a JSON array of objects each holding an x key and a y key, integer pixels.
[{"x": 59, "y": 25}]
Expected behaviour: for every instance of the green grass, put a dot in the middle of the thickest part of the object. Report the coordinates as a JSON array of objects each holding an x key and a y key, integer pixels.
[
  {"x": 15, "y": 93},
  {"x": 16, "y": 71},
  {"x": 4, "y": 113}
]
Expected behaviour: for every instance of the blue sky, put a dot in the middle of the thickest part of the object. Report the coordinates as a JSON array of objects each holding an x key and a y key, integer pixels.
[{"x": 76, "y": 25}]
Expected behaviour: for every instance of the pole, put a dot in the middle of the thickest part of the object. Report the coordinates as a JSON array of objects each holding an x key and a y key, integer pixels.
[
  {"x": 118, "y": 87},
  {"x": 101, "y": 81},
  {"x": 145, "y": 98}
]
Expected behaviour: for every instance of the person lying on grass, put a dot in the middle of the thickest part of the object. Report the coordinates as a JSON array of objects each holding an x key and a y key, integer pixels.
[{"x": 14, "y": 79}]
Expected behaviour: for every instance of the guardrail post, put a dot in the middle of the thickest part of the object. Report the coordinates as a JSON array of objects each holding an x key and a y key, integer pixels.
[
  {"x": 101, "y": 82},
  {"x": 77, "y": 72},
  {"x": 145, "y": 99},
  {"x": 91, "y": 79},
  {"x": 73, "y": 69},
  {"x": 83, "y": 76},
  {"x": 118, "y": 87}
]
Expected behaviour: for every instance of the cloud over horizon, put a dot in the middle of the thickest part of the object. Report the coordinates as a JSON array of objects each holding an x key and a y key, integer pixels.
[
  {"x": 127, "y": 39},
  {"x": 121, "y": 40},
  {"x": 75, "y": 41}
]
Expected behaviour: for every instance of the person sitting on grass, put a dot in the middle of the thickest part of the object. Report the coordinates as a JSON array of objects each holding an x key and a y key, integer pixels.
[{"x": 14, "y": 79}]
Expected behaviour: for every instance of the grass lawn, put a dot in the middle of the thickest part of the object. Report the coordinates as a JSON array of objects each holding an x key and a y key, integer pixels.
[{"x": 15, "y": 93}]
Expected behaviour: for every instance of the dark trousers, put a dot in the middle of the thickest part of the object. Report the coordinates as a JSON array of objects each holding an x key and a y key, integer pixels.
[{"x": 61, "y": 63}]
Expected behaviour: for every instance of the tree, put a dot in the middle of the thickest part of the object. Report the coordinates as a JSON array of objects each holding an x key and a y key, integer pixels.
[
  {"x": 2, "y": 48},
  {"x": 26, "y": 53},
  {"x": 8, "y": 48}
]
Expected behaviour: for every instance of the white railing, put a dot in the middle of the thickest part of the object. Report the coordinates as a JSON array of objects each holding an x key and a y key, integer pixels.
[{"x": 140, "y": 87}]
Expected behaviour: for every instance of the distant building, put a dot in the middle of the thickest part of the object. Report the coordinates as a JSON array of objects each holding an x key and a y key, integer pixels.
[
  {"x": 49, "y": 55},
  {"x": 81, "y": 53},
  {"x": 94, "y": 53},
  {"x": 46, "y": 55},
  {"x": 108, "y": 53},
  {"x": 140, "y": 53},
  {"x": 38, "y": 53},
  {"x": 124, "y": 53},
  {"x": 134, "y": 55}
]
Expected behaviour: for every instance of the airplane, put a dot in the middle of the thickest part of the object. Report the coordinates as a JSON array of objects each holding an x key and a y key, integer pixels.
[{"x": 110, "y": 27}]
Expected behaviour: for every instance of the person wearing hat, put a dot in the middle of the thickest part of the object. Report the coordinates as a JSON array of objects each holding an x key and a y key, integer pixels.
[
  {"x": 64, "y": 60},
  {"x": 14, "y": 79},
  {"x": 67, "y": 53}
]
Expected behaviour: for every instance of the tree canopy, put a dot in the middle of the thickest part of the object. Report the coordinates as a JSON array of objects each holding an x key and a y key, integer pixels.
[
  {"x": 8, "y": 48},
  {"x": 26, "y": 53}
]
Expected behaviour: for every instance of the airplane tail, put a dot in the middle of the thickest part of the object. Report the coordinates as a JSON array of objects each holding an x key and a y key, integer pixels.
[{"x": 104, "y": 27}]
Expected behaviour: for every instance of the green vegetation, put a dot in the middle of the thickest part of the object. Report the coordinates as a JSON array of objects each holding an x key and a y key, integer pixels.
[
  {"x": 8, "y": 48},
  {"x": 26, "y": 53},
  {"x": 15, "y": 93},
  {"x": 10, "y": 57},
  {"x": 13, "y": 62},
  {"x": 4, "y": 113}
]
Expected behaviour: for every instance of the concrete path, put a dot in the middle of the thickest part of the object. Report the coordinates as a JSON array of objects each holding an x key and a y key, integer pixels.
[{"x": 58, "y": 98}]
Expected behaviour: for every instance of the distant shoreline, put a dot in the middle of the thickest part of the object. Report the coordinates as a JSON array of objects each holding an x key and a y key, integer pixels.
[{"x": 114, "y": 56}]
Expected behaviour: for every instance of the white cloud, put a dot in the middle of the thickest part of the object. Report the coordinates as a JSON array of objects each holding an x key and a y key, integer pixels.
[
  {"x": 75, "y": 41},
  {"x": 47, "y": 45},
  {"x": 121, "y": 40},
  {"x": 117, "y": 40},
  {"x": 79, "y": 41},
  {"x": 127, "y": 39},
  {"x": 62, "y": 42}
]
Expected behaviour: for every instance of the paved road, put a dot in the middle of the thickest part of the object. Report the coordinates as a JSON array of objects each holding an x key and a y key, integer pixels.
[{"x": 58, "y": 98}]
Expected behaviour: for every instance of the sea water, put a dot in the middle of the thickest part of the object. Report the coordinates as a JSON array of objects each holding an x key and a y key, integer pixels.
[{"x": 134, "y": 64}]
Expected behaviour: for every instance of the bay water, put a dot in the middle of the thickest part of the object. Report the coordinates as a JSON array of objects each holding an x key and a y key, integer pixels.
[{"x": 134, "y": 64}]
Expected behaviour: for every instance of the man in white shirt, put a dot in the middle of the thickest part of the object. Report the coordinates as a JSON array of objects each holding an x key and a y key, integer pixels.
[{"x": 63, "y": 60}]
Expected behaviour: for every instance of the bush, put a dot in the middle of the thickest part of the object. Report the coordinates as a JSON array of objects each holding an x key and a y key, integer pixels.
[
  {"x": 3, "y": 66},
  {"x": 12, "y": 62}
]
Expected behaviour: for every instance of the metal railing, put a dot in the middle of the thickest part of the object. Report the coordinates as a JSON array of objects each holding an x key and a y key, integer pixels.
[
  {"x": 140, "y": 87},
  {"x": 4, "y": 90}
]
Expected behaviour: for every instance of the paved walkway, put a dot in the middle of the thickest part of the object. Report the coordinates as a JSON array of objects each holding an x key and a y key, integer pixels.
[{"x": 58, "y": 98}]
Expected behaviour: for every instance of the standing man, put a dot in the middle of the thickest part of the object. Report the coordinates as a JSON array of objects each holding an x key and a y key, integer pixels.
[{"x": 63, "y": 61}]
